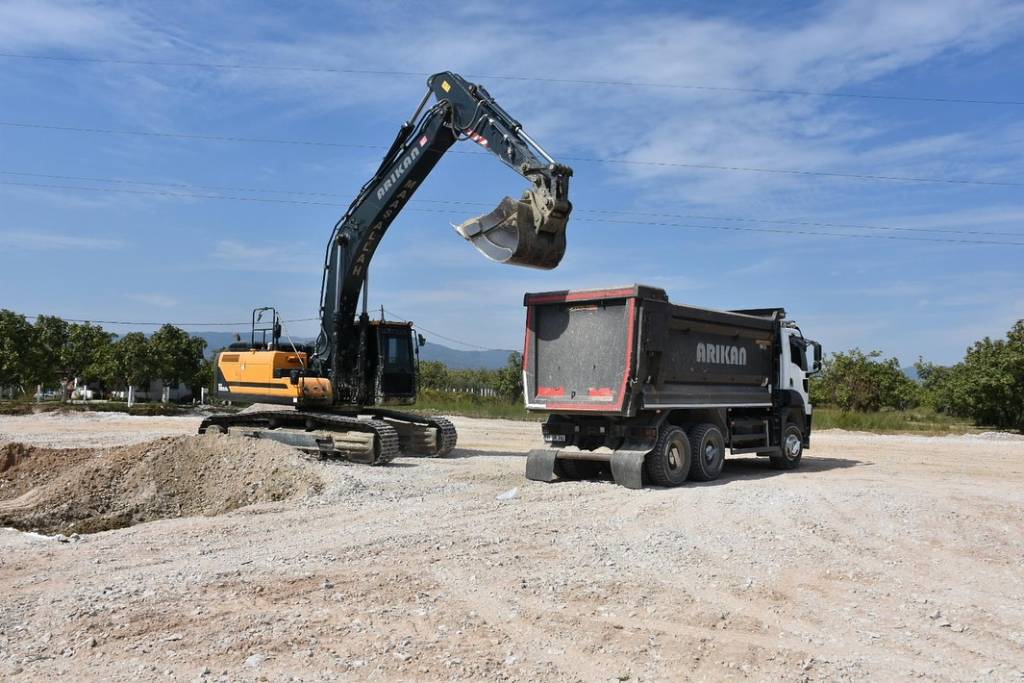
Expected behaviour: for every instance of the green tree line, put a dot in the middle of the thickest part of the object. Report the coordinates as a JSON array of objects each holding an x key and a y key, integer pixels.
[
  {"x": 987, "y": 386},
  {"x": 506, "y": 382},
  {"x": 53, "y": 352}
]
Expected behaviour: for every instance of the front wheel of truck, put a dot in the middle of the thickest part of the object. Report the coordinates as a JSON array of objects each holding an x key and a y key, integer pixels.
[
  {"x": 792, "y": 449},
  {"x": 669, "y": 463}
]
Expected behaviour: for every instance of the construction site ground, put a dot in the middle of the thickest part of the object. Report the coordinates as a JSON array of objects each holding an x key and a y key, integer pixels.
[{"x": 882, "y": 558}]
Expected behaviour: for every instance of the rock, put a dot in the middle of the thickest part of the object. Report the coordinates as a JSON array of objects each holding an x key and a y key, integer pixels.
[
  {"x": 509, "y": 495},
  {"x": 255, "y": 661},
  {"x": 173, "y": 637},
  {"x": 957, "y": 628},
  {"x": 61, "y": 538}
]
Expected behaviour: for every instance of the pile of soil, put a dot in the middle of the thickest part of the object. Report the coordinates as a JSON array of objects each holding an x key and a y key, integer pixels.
[{"x": 84, "y": 491}]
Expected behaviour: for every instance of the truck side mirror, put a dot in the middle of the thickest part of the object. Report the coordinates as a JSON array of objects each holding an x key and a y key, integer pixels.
[
  {"x": 817, "y": 357},
  {"x": 421, "y": 339}
]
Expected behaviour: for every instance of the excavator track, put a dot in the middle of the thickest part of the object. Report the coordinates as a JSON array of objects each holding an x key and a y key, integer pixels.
[
  {"x": 366, "y": 441},
  {"x": 420, "y": 435}
]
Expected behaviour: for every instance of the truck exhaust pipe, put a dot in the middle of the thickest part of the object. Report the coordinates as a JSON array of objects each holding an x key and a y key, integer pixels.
[{"x": 526, "y": 232}]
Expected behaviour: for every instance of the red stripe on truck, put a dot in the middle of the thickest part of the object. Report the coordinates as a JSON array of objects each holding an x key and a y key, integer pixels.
[
  {"x": 600, "y": 392},
  {"x": 551, "y": 391}
]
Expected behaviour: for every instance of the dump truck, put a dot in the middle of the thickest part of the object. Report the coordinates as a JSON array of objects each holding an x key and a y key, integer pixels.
[{"x": 651, "y": 392}]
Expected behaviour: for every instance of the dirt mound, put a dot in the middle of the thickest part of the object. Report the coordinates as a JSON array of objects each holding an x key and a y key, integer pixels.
[{"x": 84, "y": 491}]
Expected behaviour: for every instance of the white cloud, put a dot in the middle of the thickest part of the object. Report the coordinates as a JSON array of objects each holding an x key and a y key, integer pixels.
[
  {"x": 35, "y": 24},
  {"x": 159, "y": 300},
  {"x": 43, "y": 240}
]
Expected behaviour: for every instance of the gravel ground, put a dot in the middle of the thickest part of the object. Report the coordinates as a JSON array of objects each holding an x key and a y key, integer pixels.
[{"x": 882, "y": 558}]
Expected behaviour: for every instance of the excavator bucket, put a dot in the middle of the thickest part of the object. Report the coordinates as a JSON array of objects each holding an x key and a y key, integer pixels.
[{"x": 524, "y": 232}]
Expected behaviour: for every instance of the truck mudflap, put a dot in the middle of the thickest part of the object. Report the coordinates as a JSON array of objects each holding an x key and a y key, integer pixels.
[{"x": 626, "y": 463}]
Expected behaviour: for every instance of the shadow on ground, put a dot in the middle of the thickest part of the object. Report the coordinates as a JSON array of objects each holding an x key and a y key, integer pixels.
[{"x": 745, "y": 469}]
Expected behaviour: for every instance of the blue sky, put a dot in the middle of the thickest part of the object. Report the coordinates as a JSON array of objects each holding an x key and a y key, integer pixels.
[{"x": 103, "y": 254}]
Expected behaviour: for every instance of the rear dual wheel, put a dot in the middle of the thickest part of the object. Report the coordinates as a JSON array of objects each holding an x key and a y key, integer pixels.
[
  {"x": 677, "y": 456},
  {"x": 669, "y": 463},
  {"x": 708, "y": 447}
]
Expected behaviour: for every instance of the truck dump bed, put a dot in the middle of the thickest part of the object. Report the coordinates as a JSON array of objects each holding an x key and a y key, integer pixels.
[{"x": 616, "y": 351}]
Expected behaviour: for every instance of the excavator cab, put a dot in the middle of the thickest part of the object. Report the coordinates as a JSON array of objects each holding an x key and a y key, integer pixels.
[{"x": 392, "y": 360}]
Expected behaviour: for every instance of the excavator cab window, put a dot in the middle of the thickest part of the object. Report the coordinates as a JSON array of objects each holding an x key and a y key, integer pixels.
[{"x": 397, "y": 362}]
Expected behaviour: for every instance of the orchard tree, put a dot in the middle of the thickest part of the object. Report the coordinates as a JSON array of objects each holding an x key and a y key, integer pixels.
[
  {"x": 434, "y": 374},
  {"x": 86, "y": 352},
  {"x": 988, "y": 385},
  {"x": 16, "y": 341},
  {"x": 177, "y": 356},
  {"x": 509, "y": 379},
  {"x": 49, "y": 352},
  {"x": 860, "y": 381}
]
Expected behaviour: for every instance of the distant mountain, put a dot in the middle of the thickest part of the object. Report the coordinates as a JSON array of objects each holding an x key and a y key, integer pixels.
[
  {"x": 453, "y": 358},
  {"x": 465, "y": 360}
]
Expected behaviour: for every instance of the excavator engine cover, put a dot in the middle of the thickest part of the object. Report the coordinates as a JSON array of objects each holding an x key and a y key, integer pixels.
[{"x": 524, "y": 232}]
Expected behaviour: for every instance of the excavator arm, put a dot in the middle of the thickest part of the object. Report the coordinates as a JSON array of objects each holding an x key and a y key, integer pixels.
[{"x": 529, "y": 231}]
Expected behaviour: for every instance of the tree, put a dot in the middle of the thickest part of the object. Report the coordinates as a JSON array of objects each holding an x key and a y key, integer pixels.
[
  {"x": 988, "y": 385},
  {"x": 509, "y": 380},
  {"x": 434, "y": 375},
  {"x": 177, "y": 357},
  {"x": 855, "y": 380},
  {"x": 49, "y": 351},
  {"x": 132, "y": 364},
  {"x": 86, "y": 352},
  {"x": 16, "y": 342}
]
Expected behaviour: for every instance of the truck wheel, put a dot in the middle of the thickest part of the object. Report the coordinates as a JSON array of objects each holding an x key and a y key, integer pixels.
[
  {"x": 707, "y": 446},
  {"x": 669, "y": 463},
  {"x": 792, "y": 449}
]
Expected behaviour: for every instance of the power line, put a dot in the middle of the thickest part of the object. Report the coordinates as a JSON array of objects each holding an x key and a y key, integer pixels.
[
  {"x": 151, "y": 324},
  {"x": 506, "y": 77},
  {"x": 243, "y": 323},
  {"x": 585, "y": 219},
  {"x": 577, "y": 210},
  {"x": 438, "y": 334},
  {"x": 594, "y": 160}
]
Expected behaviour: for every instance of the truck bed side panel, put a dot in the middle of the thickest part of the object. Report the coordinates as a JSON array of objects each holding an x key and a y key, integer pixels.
[{"x": 707, "y": 358}]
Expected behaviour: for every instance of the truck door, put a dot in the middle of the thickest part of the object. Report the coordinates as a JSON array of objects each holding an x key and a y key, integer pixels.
[{"x": 794, "y": 367}]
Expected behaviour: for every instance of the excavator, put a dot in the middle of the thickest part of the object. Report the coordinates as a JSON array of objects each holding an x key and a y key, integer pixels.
[{"x": 340, "y": 388}]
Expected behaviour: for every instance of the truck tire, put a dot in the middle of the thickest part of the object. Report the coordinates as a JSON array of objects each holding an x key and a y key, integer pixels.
[
  {"x": 669, "y": 463},
  {"x": 707, "y": 448},
  {"x": 792, "y": 449}
]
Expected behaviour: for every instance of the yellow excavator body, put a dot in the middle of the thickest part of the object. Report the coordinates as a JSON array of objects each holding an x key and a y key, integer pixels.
[{"x": 267, "y": 377}]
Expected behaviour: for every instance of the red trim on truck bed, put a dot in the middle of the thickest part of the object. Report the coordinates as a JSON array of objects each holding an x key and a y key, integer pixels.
[{"x": 562, "y": 297}]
